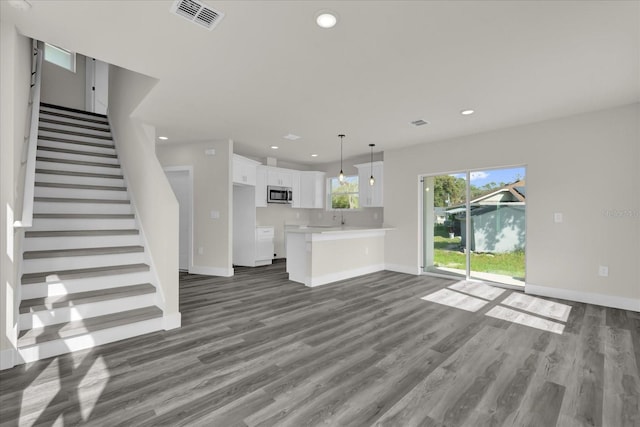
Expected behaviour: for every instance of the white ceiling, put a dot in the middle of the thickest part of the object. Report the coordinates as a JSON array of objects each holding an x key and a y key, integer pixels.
[{"x": 267, "y": 70}]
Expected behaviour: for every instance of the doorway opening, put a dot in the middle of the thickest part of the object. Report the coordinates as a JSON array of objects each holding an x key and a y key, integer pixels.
[{"x": 474, "y": 225}]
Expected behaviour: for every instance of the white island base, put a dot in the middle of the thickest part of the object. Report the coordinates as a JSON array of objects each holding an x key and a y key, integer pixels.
[{"x": 317, "y": 256}]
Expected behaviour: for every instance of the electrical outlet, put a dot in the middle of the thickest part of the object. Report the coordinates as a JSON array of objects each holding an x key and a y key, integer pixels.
[
  {"x": 215, "y": 214},
  {"x": 557, "y": 217},
  {"x": 603, "y": 271},
  {"x": 366, "y": 250},
  {"x": 200, "y": 250}
]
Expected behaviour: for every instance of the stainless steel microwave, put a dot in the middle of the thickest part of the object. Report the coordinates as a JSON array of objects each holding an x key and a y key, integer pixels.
[{"x": 279, "y": 194}]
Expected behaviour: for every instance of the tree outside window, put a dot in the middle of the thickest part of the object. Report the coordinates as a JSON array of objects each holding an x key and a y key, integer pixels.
[{"x": 344, "y": 195}]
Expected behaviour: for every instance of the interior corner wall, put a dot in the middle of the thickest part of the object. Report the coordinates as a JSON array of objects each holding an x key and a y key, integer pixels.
[
  {"x": 155, "y": 203},
  {"x": 212, "y": 193},
  {"x": 63, "y": 87},
  {"x": 15, "y": 79},
  {"x": 585, "y": 166}
]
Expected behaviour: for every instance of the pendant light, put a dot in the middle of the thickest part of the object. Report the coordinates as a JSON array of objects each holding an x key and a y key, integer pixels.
[
  {"x": 341, "y": 176},
  {"x": 372, "y": 180}
]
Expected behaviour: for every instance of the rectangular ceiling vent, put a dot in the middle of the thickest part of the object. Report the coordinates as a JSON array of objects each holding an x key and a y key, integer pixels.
[
  {"x": 419, "y": 122},
  {"x": 197, "y": 12}
]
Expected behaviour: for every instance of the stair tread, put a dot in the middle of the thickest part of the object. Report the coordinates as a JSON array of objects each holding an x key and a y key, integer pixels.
[
  {"x": 76, "y": 125},
  {"x": 73, "y": 141},
  {"x": 78, "y": 200},
  {"x": 71, "y": 132},
  {"x": 60, "y": 301},
  {"x": 80, "y": 186},
  {"x": 59, "y": 253},
  {"x": 75, "y": 110},
  {"x": 85, "y": 326},
  {"x": 78, "y": 233},
  {"x": 80, "y": 174},
  {"x": 59, "y": 113},
  {"x": 81, "y": 216},
  {"x": 77, "y": 152},
  {"x": 31, "y": 278},
  {"x": 77, "y": 162}
]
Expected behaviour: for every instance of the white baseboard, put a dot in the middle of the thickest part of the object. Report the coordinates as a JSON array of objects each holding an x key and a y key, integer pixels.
[
  {"x": 7, "y": 358},
  {"x": 171, "y": 321},
  {"x": 211, "y": 271},
  {"x": 586, "y": 297},
  {"x": 342, "y": 275},
  {"x": 407, "y": 269}
]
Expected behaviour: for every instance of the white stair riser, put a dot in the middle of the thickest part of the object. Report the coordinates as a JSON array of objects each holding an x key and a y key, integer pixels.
[
  {"x": 77, "y": 168},
  {"x": 77, "y": 157},
  {"x": 83, "y": 180},
  {"x": 72, "y": 146},
  {"x": 81, "y": 138},
  {"x": 44, "y": 109},
  {"x": 73, "y": 242},
  {"x": 77, "y": 262},
  {"x": 81, "y": 342},
  {"x": 72, "y": 128},
  {"x": 84, "y": 311},
  {"x": 86, "y": 284},
  {"x": 80, "y": 193},
  {"x": 69, "y": 121},
  {"x": 93, "y": 208},
  {"x": 51, "y": 224}
]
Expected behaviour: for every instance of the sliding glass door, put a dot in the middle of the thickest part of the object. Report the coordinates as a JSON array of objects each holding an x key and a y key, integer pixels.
[{"x": 474, "y": 224}]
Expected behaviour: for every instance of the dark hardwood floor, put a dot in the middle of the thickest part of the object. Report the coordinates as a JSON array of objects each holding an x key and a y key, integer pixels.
[{"x": 258, "y": 350}]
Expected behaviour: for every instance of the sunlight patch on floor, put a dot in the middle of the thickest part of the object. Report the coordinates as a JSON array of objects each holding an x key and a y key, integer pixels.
[
  {"x": 456, "y": 299},
  {"x": 529, "y": 311},
  {"x": 538, "y": 306},
  {"x": 43, "y": 392},
  {"x": 525, "y": 319},
  {"x": 91, "y": 387}
]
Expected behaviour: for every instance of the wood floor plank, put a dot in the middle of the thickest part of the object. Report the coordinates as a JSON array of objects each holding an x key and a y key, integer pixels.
[{"x": 258, "y": 350}]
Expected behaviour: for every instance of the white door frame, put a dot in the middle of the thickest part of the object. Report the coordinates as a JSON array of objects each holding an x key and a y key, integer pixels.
[{"x": 189, "y": 170}]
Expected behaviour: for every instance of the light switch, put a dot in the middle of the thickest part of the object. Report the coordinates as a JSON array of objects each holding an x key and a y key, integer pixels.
[
  {"x": 557, "y": 217},
  {"x": 603, "y": 271},
  {"x": 215, "y": 214}
]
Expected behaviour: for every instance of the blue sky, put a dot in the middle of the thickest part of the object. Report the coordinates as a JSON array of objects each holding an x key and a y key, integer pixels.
[{"x": 480, "y": 178}]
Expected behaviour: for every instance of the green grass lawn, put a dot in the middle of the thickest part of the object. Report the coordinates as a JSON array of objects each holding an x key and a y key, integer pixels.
[{"x": 448, "y": 255}]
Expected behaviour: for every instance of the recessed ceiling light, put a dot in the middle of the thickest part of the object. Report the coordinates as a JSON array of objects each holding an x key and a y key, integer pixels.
[
  {"x": 314, "y": 155},
  {"x": 326, "y": 19},
  {"x": 274, "y": 147},
  {"x": 164, "y": 138},
  {"x": 291, "y": 137},
  {"x": 467, "y": 112},
  {"x": 20, "y": 4}
]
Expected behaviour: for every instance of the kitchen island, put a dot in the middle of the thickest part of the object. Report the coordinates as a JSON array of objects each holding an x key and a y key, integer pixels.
[{"x": 321, "y": 255}]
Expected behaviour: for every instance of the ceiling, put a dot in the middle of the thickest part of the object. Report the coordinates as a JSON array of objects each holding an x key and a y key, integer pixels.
[{"x": 268, "y": 70}]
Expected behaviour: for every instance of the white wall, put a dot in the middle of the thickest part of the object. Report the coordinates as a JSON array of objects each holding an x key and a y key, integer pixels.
[
  {"x": 15, "y": 76},
  {"x": 63, "y": 87},
  {"x": 212, "y": 192},
  {"x": 149, "y": 188},
  {"x": 586, "y": 167}
]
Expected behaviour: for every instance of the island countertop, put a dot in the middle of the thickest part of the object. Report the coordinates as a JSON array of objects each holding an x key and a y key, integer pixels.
[{"x": 306, "y": 229}]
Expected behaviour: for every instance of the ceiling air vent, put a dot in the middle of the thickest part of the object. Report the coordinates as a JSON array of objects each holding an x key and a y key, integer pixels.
[
  {"x": 197, "y": 12},
  {"x": 419, "y": 122}
]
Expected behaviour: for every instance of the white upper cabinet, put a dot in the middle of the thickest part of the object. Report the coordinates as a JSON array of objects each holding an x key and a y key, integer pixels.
[
  {"x": 261, "y": 186},
  {"x": 244, "y": 170},
  {"x": 312, "y": 193},
  {"x": 370, "y": 195},
  {"x": 279, "y": 177}
]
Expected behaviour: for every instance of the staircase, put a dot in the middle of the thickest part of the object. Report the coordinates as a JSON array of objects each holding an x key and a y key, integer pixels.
[{"x": 85, "y": 279}]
